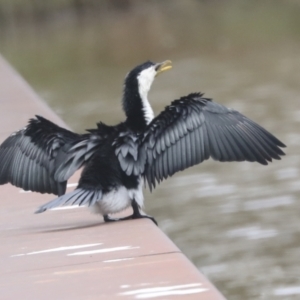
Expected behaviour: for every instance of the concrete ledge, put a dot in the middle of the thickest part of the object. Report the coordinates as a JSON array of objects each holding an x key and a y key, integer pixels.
[{"x": 71, "y": 254}]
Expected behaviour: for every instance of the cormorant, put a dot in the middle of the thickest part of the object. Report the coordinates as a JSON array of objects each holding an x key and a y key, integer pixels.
[{"x": 42, "y": 156}]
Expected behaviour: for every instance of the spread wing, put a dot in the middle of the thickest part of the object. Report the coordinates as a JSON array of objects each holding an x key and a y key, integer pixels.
[
  {"x": 42, "y": 156},
  {"x": 194, "y": 128}
]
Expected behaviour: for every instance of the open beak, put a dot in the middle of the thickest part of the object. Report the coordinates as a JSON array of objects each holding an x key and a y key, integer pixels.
[{"x": 164, "y": 66}]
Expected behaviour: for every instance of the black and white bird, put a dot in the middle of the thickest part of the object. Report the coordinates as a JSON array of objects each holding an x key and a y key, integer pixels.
[{"x": 117, "y": 159}]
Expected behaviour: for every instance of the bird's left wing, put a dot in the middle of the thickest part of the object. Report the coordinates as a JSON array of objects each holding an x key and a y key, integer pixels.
[{"x": 194, "y": 128}]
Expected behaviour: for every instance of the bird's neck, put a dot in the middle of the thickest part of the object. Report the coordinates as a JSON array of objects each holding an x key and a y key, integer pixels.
[{"x": 137, "y": 108}]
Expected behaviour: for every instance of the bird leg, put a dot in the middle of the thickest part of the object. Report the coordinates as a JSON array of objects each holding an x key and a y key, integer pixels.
[{"x": 136, "y": 215}]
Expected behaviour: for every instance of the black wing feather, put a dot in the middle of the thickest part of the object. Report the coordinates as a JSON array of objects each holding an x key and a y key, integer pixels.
[
  {"x": 194, "y": 128},
  {"x": 132, "y": 161},
  {"x": 43, "y": 156},
  {"x": 28, "y": 156}
]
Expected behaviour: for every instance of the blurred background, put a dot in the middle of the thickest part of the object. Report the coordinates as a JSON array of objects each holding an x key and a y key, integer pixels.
[{"x": 238, "y": 222}]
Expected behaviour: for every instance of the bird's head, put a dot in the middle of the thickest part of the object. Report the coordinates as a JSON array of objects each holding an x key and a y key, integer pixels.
[
  {"x": 136, "y": 87},
  {"x": 141, "y": 77}
]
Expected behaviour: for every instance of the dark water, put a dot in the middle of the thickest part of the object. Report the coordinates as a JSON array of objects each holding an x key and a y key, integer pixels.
[{"x": 238, "y": 222}]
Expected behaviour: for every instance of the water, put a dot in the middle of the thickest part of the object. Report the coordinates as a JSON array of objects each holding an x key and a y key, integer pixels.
[{"x": 238, "y": 222}]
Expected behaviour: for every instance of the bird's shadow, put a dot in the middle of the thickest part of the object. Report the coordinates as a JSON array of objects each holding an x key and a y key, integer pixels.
[{"x": 70, "y": 227}]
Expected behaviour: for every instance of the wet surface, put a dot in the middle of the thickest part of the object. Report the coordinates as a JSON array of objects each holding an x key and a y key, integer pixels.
[{"x": 238, "y": 222}]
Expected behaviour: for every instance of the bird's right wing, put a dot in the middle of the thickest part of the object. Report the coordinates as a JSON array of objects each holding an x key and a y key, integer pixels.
[
  {"x": 42, "y": 156},
  {"x": 194, "y": 128}
]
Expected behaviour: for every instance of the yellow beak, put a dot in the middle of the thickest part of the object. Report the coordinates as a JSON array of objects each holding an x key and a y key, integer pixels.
[{"x": 164, "y": 66}]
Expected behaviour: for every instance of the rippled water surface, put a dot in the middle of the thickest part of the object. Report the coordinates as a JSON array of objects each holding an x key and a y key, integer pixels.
[{"x": 238, "y": 222}]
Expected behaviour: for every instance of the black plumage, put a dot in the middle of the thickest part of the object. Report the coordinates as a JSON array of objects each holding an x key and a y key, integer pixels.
[{"x": 43, "y": 156}]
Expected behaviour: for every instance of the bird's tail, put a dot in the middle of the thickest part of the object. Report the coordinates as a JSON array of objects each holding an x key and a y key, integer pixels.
[{"x": 80, "y": 197}]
